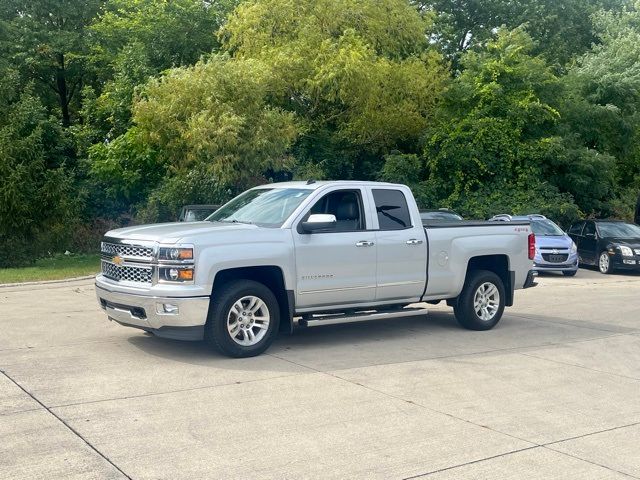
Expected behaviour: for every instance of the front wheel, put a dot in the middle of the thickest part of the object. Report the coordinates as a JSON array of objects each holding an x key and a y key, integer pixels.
[
  {"x": 243, "y": 319},
  {"x": 604, "y": 263},
  {"x": 481, "y": 302}
]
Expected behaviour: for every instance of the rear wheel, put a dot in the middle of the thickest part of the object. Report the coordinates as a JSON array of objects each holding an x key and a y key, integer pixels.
[
  {"x": 604, "y": 263},
  {"x": 481, "y": 302},
  {"x": 243, "y": 319}
]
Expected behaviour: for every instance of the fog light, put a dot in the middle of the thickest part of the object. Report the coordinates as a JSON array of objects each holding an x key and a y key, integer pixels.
[{"x": 167, "y": 308}]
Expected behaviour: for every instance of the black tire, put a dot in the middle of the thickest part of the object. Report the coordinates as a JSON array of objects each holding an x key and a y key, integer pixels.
[
  {"x": 609, "y": 266},
  {"x": 569, "y": 273},
  {"x": 216, "y": 332},
  {"x": 464, "y": 309}
]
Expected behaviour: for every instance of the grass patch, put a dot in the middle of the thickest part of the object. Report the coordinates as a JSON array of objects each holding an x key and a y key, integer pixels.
[{"x": 53, "y": 268}]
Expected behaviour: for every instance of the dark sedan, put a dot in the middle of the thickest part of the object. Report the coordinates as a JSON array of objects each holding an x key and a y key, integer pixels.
[{"x": 609, "y": 244}]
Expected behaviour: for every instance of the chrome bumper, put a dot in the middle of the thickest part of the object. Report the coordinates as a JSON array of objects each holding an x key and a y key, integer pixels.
[{"x": 165, "y": 316}]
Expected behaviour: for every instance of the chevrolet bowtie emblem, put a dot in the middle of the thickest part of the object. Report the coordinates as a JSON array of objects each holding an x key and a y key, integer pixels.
[{"x": 117, "y": 260}]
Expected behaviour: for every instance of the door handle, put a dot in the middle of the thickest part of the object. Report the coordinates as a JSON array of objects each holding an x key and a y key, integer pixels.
[
  {"x": 364, "y": 243},
  {"x": 414, "y": 241}
]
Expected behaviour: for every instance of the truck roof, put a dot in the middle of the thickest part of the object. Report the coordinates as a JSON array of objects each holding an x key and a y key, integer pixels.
[{"x": 313, "y": 184}]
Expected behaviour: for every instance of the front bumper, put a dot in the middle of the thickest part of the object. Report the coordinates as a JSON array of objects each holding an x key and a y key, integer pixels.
[
  {"x": 541, "y": 265},
  {"x": 625, "y": 263},
  {"x": 169, "y": 317}
]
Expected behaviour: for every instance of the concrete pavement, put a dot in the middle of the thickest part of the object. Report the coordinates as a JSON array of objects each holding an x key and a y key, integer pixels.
[{"x": 552, "y": 392}]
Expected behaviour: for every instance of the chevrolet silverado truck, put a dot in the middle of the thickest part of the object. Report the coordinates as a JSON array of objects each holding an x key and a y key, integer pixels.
[{"x": 292, "y": 253}]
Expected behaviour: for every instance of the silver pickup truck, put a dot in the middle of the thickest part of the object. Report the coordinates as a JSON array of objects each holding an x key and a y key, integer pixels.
[{"x": 299, "y": 252}]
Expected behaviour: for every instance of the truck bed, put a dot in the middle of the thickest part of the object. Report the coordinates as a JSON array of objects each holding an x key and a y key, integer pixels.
[{"x": 468, "y": 223}]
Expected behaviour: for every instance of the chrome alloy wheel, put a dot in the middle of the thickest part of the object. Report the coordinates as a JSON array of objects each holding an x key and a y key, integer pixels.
[
  {"x": 486, "y": 301},
  {"x": 248, "y": 321},
  {"x": 603, "y": 263}
]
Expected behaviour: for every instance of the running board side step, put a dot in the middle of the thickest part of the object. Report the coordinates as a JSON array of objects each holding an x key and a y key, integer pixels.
[{"x": 333, "y": 318}]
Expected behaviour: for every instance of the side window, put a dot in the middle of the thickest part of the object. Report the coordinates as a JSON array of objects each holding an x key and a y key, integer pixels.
[
  {"x": 392, "y": 209},
  {"x": 589, "y": 228},
  {"x": 576, "y": 229},
  {"x": 346, "y": 205}
]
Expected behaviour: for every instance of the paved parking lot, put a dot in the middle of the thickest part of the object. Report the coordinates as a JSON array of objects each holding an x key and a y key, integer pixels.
[{"x": 552, "y": 392}]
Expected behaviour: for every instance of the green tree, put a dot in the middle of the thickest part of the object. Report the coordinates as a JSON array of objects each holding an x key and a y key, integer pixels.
[
  {"x": 169, "y": 33},
  {"x": 603, "y": 94},
  {"x": 498, "y": 135},
  {"x": 560, "y": 29},
  {"x": 37, "y": 205},
  {"x": 361, "y": 76},
  {"x": 47, "y": 41},
  {"x": 214, "y": 113},
  {"x": 133, "y": 40}
]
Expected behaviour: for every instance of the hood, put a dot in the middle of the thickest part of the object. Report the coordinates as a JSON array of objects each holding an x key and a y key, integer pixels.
[
  {"x": 629, "y": 242},
  {"x": 559, "y": 242},
  {"x": 173, "y": 232}
]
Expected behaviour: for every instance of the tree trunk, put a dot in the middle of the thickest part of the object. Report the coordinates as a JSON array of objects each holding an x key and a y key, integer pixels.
[{"x": 61, "y": 88}]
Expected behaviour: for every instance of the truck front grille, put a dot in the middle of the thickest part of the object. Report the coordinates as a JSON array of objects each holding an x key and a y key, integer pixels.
[
  {"x": 127, "y": 273},
  {"x": 142, "y": 252}
]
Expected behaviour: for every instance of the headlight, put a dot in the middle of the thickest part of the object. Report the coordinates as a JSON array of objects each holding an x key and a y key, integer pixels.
[
  {"x": 574, "y": 247},
  {"x": 175, "y": 253},
  {"x": 625, "y": 251},
  {"x": 175, "y": 274}
]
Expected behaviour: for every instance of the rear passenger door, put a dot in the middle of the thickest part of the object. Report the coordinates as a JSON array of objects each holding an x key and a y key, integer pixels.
[{"x": 402, "y": 246}]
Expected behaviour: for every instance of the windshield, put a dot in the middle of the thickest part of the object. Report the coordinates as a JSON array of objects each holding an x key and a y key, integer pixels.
[
  {"x": 618, "y": 229},
  {"x": 546, "y": 228},
  {"x": 267, "y": 207}
]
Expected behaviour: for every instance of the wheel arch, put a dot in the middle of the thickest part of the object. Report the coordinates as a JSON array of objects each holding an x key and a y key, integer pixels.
[
  {"x": 272, "y": 277},
  {"x": 498, "y": 264}
]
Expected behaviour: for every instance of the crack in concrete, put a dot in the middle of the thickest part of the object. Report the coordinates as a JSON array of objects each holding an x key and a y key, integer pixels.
[
  {"x": 180, "y": 390},
  {"x": 69, "y": 427},
  {"x": 534, "y": 445},
  {"x": 584, "y": 367}
]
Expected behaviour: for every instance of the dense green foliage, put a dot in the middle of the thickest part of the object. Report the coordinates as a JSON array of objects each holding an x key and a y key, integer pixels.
[{"x": 121, "y": 110}]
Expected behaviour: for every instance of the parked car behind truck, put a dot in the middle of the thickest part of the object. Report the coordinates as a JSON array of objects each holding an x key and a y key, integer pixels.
[
  {"x": 608, "y": 244},
  {"x": 555, "y": 250},
  {"x": 196, "y": 213},
  {"x": 314, "y": 251}
]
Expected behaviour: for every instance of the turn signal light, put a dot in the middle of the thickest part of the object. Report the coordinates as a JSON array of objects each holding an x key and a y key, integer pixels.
[
  {"x": 176, "y": 274},
  {"x": 185, "y": 275},
  {"x": 532, "y": 246}
]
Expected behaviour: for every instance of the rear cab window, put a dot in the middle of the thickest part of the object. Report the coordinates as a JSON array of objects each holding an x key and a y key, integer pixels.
[{"x": 392, "y": 209}]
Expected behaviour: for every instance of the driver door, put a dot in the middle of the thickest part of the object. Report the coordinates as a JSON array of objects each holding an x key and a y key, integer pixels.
[
  {"x": 337, "y": 266},
  {"x": 588, "y": 243}
]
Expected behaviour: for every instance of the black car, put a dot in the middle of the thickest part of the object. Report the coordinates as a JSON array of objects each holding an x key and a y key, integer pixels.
[
  {"x": 440, "y": 215},
  {"x": 609, "y": 244}
]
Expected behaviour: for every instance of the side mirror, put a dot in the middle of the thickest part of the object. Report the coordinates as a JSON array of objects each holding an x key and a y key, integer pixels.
[{"x": 319, "y": 221}]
